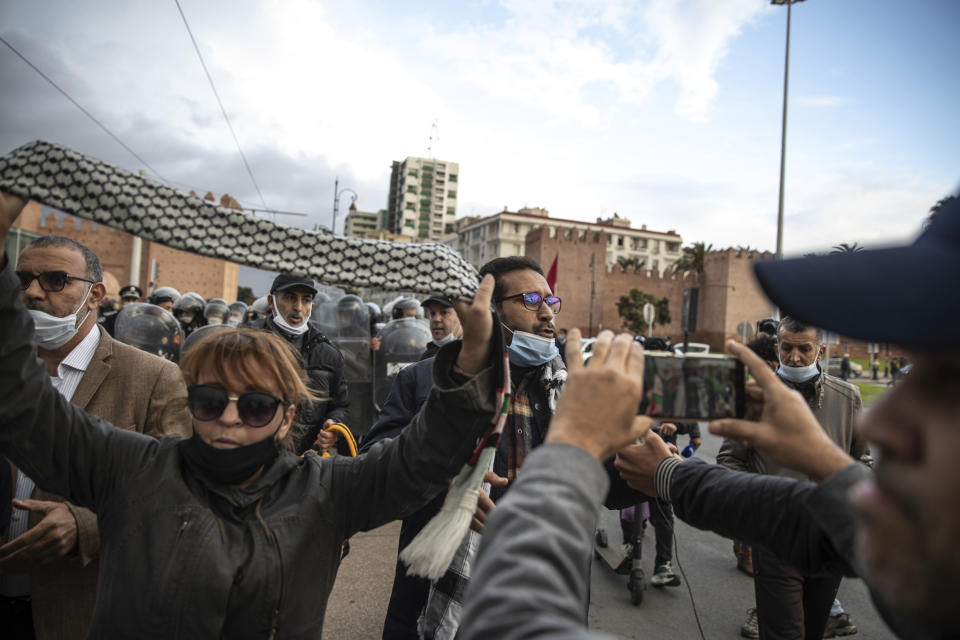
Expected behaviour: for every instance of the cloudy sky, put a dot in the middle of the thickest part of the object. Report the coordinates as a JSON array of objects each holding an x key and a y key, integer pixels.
[{"x": 664, "y": 111}]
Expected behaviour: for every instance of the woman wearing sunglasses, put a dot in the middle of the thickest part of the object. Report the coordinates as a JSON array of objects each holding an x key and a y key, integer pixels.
[{"x": 228, "y": 534}]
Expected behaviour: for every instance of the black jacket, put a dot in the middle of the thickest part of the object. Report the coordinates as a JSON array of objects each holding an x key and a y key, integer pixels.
[
  {"x": 323, "y": 365},
  {"x": 182, "y": 557},
  {"x": 812, "y": 527}
]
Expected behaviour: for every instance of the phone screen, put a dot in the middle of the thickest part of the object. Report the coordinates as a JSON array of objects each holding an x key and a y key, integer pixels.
[{"x": 688, "y": 387}]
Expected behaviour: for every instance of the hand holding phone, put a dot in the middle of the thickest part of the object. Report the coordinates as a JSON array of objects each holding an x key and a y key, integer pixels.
[{"x": 692, "y": 387}]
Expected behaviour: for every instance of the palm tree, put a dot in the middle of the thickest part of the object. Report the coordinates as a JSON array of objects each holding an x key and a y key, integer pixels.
[
  {"x": 628, "y": 263},
  {"x": 843, "y": 247},
  {"x": 692, "y": 258},
  {"x": 935, "y": 209}
]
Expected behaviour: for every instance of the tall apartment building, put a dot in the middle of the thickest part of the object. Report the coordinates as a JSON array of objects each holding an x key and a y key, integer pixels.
[
  {"x": 422, "y": 202},
  {"x": 504, "y": 234}
]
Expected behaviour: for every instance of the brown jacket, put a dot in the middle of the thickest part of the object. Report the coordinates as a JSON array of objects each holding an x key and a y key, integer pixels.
[
  {"x": 131, "y": 389},
  {"x": 835, "y": 404}
]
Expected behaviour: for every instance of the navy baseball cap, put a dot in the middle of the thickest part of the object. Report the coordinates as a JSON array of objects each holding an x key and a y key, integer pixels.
[
  {"x": 908, "y": 295},
  {"x": 284, "y": 281}
]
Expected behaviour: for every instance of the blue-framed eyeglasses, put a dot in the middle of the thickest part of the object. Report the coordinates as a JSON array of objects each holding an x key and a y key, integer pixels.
[{"x": 532, "y": 301}]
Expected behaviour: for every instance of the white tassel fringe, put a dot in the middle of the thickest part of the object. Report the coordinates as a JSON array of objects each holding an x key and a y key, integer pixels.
[{"x": 431, "y": 551}]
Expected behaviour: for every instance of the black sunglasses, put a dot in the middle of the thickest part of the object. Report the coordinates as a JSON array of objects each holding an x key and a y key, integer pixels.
[
  {"x": 532, "y": 301},
  {"x": 208, "y": 402},
  {"x": 50, "y": 281}
]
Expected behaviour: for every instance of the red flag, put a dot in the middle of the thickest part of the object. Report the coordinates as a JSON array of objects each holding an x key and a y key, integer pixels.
[{"x": 552, "y": 275}]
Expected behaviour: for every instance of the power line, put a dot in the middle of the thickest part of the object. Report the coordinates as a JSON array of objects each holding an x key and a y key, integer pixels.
[
  {"x": 126, "y": 146},
  {"x": 220, "y": 102},
  {"x": 246, "y": 205},
  {"x": 85, "y": 112}
]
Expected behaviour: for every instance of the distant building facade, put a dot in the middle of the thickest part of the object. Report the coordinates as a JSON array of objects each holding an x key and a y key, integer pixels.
[
  {"x": 359, "y": 223},
  {"x": 504, "y": 234},
  {"x": 159, "y": 265},
  {"x": 422, "y": 200},
  {"x": 728, "y": 293}
]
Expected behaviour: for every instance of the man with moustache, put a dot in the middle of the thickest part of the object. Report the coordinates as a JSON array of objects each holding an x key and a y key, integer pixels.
[
  {"x": 789, "y": 604},
  {"x": 49, "y": 562},
  {"x": 291, "y": 303},
  {"x": 527, "y": 309},
  {"x": 444, "y": 324}
]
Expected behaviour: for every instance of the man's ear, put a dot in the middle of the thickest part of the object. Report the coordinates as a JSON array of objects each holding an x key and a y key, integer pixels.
[
  {"x": 820, "y": 354},
  {"x": 97, "y": 293},
  {"x": 270, "y": 301}
]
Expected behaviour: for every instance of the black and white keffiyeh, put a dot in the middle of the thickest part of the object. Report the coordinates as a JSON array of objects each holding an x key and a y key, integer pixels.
[{"x": 88, "y": 188}]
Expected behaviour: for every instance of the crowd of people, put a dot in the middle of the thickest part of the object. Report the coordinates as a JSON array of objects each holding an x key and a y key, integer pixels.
[{"x": 150, "y": 498}]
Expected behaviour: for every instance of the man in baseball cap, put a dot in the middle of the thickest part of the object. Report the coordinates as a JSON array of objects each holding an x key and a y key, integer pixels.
[
  {"x": 444, "y": 324},
  {"x": 902, "y": 538},
  {"x": 895, "y": 526},
  {"x": 290, "y": 304}
]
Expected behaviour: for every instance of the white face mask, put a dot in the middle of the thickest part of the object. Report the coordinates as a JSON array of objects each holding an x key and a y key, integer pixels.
[
  {"x": 280, "y": 322},
  {"x": 798, "y": 374},
  {"x": 447, "y": 339},
  {"x": 215, "y": 320},
  {"x": 186, "y": 318},
  {"x": 53, "y": 332}
]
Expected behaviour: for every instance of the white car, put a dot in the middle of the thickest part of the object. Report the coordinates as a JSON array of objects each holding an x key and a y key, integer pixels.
[
  {"x": 835, "y": 365},
  {"x": 693, "y": 347}
]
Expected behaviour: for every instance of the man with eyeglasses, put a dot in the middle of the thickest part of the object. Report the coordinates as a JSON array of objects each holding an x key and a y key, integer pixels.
[
  {"x": 49, "y": 557},
  {"x": 527, "y": 309}
]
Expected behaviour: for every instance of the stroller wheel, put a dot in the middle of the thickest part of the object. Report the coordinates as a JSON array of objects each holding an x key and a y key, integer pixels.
[{"x": 636, "y": 585}]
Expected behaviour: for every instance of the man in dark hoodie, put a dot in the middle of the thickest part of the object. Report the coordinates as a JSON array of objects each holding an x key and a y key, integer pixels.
[{"x": 290, "y": 302}]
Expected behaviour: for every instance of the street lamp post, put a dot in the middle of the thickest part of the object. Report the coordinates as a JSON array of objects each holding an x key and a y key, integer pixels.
[
  {"x": 337, "y": 192},
  {"x": 783, "y": 135}
]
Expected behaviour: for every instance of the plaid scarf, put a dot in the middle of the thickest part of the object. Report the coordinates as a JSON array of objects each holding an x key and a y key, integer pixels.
[
  {"x": 440, "y": 618},
  {"x": 517, "y": 440}
]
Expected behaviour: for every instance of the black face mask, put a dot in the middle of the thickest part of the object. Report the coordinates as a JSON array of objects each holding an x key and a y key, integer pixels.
[{"x": 228, "y": 466}]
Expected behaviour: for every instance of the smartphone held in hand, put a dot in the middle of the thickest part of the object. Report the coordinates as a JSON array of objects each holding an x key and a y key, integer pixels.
[{"x": 692, "y": 387}]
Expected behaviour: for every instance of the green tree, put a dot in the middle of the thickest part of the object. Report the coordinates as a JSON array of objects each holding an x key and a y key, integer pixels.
[
  {"x": 629, "y": 263},
  {"x": 692, "y": 258},
  {"x": 630, "y": 308},
  {"x": 245, "y": 294}
]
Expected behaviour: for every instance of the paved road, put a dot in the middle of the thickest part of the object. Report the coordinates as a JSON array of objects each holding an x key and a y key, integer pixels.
[{"x": 721, "y": 593}]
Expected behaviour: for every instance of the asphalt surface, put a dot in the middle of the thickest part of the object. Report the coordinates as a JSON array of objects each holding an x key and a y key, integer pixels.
[{"x": 721, "y": 594}]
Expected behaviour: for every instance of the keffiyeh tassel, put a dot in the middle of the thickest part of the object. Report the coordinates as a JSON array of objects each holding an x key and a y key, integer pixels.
[{"x": 431, "y": 551}]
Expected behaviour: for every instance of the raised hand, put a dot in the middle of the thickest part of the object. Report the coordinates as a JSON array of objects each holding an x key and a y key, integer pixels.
[
  {"x": 10, "y": 208},
  {"x": 597, "y": 410},
  {"x": 787, "y": 432},
  {"x": 477, "y": 323}
]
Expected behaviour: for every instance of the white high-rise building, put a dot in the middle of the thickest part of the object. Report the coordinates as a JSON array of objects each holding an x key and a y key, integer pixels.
[
  {"x": 482, "y": 238},
  {"x": 422, "y": 202}
]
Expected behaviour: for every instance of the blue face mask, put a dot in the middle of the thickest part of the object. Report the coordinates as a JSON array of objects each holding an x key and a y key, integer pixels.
[{"x": 531, "y": 350}]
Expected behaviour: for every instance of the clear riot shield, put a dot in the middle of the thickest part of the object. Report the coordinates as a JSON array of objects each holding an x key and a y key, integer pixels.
[
  {"x": 200, "y": 333},
  {"x": 401, "y": 343},
  {"x": 150, "y": 328},
  {"x": 346, "y": 322}
]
